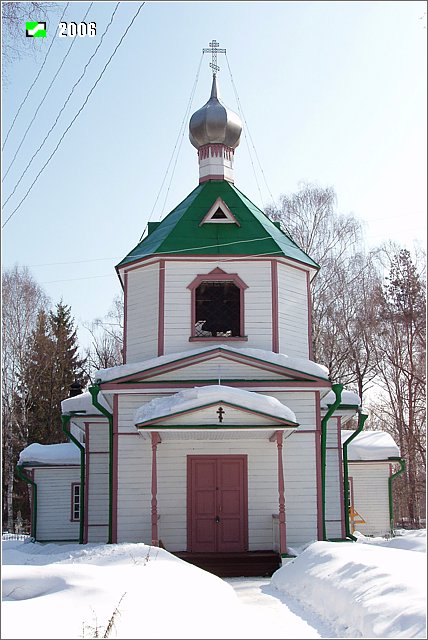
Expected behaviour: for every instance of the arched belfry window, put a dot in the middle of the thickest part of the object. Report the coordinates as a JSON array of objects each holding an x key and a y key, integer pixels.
[{"x": 217, "y": 306}]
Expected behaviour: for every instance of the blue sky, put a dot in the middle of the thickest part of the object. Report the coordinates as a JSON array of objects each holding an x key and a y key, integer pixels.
[{"x": 332, "y": 93}]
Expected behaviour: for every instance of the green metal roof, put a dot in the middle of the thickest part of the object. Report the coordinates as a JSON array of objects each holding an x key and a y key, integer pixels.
[{"x": 179, "y": 232}]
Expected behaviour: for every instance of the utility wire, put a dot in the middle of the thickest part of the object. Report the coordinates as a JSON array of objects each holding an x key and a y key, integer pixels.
[
  {"x": 186, "y": 115},
  {"x": 44, "y": 97},
  {"x": 63, "y": 106},
  {"x": 34, "y": 82},
  {"x": 192, "y": 93},
  {"x": 209, "y": 246},
  {"x": 77, "y": 114},
  {"x": 248, "y": 129},
  {"x": 177, "y": 271}
]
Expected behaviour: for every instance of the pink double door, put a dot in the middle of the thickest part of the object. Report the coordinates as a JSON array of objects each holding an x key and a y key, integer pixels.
[{"x": 217, "y": 511}]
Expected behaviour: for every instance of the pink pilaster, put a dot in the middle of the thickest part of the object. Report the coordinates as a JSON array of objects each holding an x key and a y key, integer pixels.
[
  {"x": 275, "y": 318},
  {"x": 87, "y": 450},
  {"x": 125, "y": 315},
  {"x": 281, "y": 492},
  {"x": 155, "y": 535},
  {"x": 308, "y": 288},
  {"x": 115, "y": 470},
  {"x": 161, "y": 312}
]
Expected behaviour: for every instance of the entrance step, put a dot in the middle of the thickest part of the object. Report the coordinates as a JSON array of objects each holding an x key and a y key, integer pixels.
[{"x": 259, "y": 564}]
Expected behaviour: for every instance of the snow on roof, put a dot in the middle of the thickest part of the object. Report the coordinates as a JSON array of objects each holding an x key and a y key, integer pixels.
[
  {"x": 370, "y": 445},
  {"x": 64, "y": 453},
  {"x": 299, "y": 364},
  {"x": 83, "y": 402},
  {"x": 348, "y": 397},
  {"x": 199, "y": 396}
]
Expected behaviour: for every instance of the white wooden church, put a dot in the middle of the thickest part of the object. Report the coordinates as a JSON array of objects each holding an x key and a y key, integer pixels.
[{"x": 219, "y": 434}]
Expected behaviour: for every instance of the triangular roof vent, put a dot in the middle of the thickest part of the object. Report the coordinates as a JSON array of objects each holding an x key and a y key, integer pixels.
[{"x": 219, "y": 213}]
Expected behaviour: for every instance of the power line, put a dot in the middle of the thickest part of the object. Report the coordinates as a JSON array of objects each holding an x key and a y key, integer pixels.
[
  {"x": 63, "y": 106},
  {"x": 34, "y": 81},
  {"x": 248, "y": 129},
  {"x": 189, "y": 106},
  {"x": 44, "y": 97},
  {"x": 76, "y": 116},
  {"x": 192, "y": 93},
  {"x": 208, "y": 246},
  {"x": 177, "y": 271}
]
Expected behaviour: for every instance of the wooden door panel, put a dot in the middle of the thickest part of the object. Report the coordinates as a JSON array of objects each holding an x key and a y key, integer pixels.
[
  {"x": 203, "y": 504},
  {"x": 231, "y": 504},
  {"x": 217, "y": 497}
]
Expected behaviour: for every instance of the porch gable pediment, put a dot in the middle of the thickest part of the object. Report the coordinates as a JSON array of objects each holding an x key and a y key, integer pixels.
[
  {"x": 215, "y": 406},
  {"x": 217, "y": 415}
]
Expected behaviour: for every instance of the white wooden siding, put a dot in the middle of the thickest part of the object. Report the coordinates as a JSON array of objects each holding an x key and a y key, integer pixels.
[
  {"x": 134, "y": 490},
  {"x": 300, "y": 477},
  {"x": 127, "y": 405},
  {"x": 371, "y": 497},
  {"x": 54, "y": 503},
  {"x": 302, "y": 403},
  {"x": 333, "y": 480},
  {"x": 142, "y": 313},
  {"x": 218, "y": 368},
  {"x": 292, "y": 311},
  {"x": 97, "y": 487},
  {"x": 258, "y": 302}
]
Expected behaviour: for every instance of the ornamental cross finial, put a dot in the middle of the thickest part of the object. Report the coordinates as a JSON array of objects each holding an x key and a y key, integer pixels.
[
  {"x": 214, "y": 50},
  {"x": 220, "y": 412}
]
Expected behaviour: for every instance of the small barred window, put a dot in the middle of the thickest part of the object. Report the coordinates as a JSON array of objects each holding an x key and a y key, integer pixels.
[{"x": 75, "y": 501}]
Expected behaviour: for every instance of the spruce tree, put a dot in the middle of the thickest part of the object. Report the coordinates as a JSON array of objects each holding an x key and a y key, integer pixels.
[
  {"x": 38, "y": 381},
  {"x": 67, "y": 365},
  {"x": 53, "y": 366}
]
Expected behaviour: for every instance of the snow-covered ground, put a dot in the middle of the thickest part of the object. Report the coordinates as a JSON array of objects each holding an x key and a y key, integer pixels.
[{"x": 375, "y": 588}]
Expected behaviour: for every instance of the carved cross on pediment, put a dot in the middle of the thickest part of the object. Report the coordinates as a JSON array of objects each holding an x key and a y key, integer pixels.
[{"x": 220, "y": 411}]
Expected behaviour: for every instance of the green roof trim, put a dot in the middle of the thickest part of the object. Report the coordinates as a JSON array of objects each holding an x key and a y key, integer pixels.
[{"x": 180, "y": 231}]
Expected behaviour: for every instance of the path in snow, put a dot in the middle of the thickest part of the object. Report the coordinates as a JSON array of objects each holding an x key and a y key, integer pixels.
[{"x": 275, "y": 615}]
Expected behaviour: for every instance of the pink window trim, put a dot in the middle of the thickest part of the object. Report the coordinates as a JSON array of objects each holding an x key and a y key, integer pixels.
[
  {"x": 217, "y": 275},
  {"x": 72, "y": 518}
]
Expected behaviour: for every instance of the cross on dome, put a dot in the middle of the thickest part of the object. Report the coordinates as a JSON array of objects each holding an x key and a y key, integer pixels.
[{"x": 214, "y": 50}]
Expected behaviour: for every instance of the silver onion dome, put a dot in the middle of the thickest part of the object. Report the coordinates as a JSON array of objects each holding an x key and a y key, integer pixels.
[{"x": 215, "y": 123}]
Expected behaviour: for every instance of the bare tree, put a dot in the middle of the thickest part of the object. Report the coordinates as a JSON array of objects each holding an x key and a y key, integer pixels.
[
  {"x": 106, "y": 349},
  {"x": 400, "y": 350},
  {"x": 342, "y": 291},
  {"x": 15, "y": 44},
  {"x": 22, "y": 299}
]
